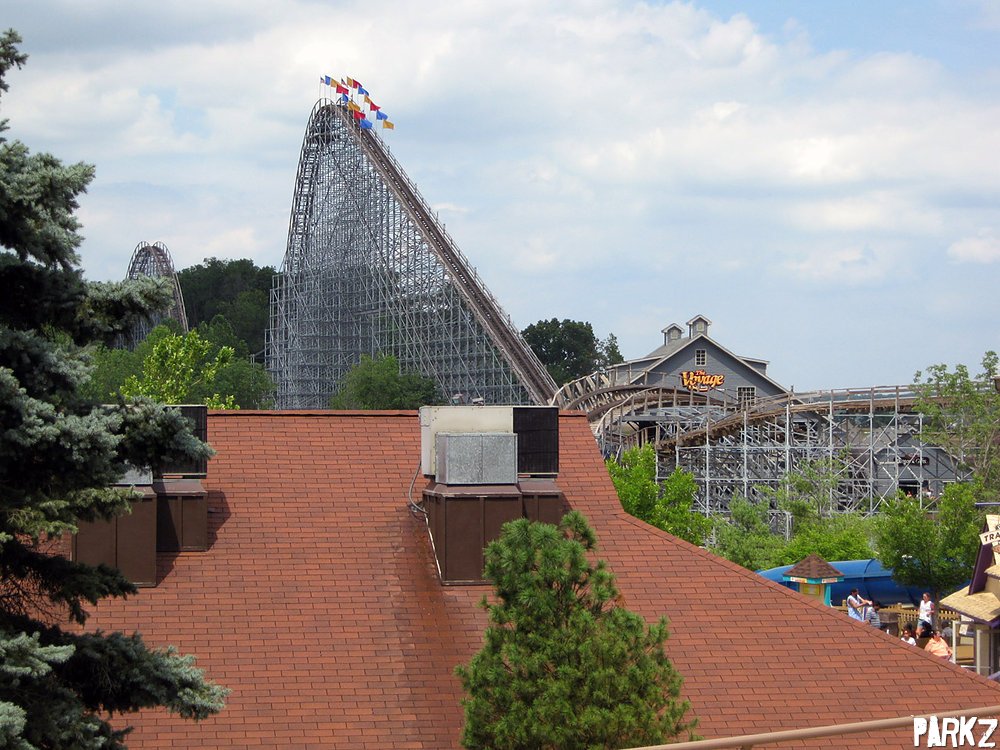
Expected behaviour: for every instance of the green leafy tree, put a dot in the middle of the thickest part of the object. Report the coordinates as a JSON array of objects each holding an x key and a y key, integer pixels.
[
  {"x": 250, "y": 385},
  {"x": 935, "y": 550},
  {"x": 182, "y": 370},
  {"x": 745, "y": 536},
  {"x": 667, "y": 505},
  {"x": 569, "y": 349},
  {"x": 59, "y": 455},
  {"x": 962, "y": 415},
  {"x": 379, "y": 384},
  {"x": 564, "y": 665},
  {"x": 246, "y": 383},
  {"x": 236, "y": 289},
  {"x": 810, "y": 495},
  {"x": 845, "y": 536}
]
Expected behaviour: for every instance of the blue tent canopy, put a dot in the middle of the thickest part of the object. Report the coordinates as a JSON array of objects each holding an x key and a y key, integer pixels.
[{"x": 869, "y": 577}]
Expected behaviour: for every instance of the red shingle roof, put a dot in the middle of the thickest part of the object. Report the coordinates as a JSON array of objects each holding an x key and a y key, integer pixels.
[{"x": 318, "y": 604}]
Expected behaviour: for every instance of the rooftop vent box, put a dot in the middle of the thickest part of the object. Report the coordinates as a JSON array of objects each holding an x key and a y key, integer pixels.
[
  {"x": 458, "y": 419},
  {"x": 537, "y": 429},
  {"x": 476, "y": 458},
  {"x": 197, "y": 415}
]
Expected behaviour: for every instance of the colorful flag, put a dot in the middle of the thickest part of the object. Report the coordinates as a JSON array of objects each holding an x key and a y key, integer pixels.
[
  {"x": 388, "y": 125},
  {"x": 361, "y": 90},
  {"x": 366, "y": 124},
  {"x": 343, "y": 98},
  {"x": 381, "y": 116},
  {"x": 351, "y": 82},
  {"x": 355, "y": 84},
  {"x": 353, "y": 107},
  {"x": 358, "y": 115},
  {"x": 341, "y": 88}
]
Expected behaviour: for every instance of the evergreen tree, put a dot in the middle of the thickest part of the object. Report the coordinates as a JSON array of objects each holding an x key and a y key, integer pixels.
[
  {"x": 563, "y": 664},
  {"x": 59, "y": 454}
]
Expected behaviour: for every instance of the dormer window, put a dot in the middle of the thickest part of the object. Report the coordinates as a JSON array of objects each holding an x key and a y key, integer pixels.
[{"x": 700, "y": 357}]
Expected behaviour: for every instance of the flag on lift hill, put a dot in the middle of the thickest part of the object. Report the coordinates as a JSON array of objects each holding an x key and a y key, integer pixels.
[
  {"x": 358, "y": 115},
  {"x": 381, "y": 116},
  {"x": 353, "y": 107},
  {"x": 361, "y": 90},
  {"x": 388, "y": 125},
  {"x": 341, "y": 88},
  {"x": 351, "y": 82},
  {"x": 365, "y": 123},
  {"x": 325, "y": 79}
]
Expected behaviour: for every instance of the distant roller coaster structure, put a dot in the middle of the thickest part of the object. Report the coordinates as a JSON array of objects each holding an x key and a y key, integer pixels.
[
  {"x": 154, "y": 260},
  {"x": 368, "y": 269},
  {"x": 869, "y": 437}
]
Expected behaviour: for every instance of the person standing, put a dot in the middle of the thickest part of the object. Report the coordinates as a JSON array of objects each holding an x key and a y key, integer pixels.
[
  {"x": 925, "y": 613},
  {"x": 855, "y": 605},
  {"x": 872, "y": 616}
]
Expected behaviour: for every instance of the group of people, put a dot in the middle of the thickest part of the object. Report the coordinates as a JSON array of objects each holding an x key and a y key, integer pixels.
[{"x": 866, "y": 610}]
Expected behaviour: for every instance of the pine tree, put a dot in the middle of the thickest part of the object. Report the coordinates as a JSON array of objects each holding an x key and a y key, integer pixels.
[
  {"x": 564, "y": 665},
  {"x": 59, "y": 454}
]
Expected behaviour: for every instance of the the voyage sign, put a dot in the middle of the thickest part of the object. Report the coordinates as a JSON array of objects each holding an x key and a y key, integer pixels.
[{"x": 699, "y": 380}]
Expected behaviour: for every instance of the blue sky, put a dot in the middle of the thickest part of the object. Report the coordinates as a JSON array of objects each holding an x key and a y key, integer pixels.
[{"x": 820, "y": 179}]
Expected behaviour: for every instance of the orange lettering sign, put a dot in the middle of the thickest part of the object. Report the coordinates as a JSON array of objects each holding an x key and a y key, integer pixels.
[{"x": 699, "y": 380}]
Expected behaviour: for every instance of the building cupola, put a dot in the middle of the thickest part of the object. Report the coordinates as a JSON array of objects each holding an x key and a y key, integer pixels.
[
  {"x": 672, "y": 332},
  {"x": 698, "y": 326}
]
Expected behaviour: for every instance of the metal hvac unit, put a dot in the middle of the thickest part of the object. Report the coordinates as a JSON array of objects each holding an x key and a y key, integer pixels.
[
  {"x": 476, "y": 458},
  {"x": 536, "y": 427},
  {"x": 457, "y": 419}
]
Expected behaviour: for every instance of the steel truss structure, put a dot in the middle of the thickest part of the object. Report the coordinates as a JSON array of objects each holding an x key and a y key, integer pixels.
[
  {"x": 869, "y": 439},
  {"x": 369, "y": 270},
  {"x": 154, "y": 260}
]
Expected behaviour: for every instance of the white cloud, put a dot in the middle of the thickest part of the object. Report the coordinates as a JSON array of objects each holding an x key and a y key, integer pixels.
[
  {"x": 650, "y": 150},
  {"x": 983, "y": 248},
  {"x": 848, "y": 266}
]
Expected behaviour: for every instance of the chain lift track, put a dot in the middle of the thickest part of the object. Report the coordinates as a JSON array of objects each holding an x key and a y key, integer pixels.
[
  {"x": 154, "y": 260},
  {"x": 369, "y": 270}
]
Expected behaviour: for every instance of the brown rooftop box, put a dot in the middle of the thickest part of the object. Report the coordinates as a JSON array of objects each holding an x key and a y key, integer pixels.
[
  {"x": 543, "y": 500},
  {"x": 181, "y": 515},
  {"x": 127, "y": 542},
  {"x": 462, "y": 520}
]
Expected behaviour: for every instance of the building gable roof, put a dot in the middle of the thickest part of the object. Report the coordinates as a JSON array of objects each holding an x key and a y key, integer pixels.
[
  {"x": 318, "y": 604},
  {"x": 661, "y": 357}
]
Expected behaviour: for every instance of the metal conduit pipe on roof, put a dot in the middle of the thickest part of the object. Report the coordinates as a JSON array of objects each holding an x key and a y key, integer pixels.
[{"x": 748, "y": 741}]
